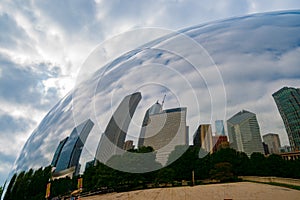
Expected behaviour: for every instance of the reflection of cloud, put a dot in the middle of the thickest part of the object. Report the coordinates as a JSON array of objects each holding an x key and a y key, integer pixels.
[
  {"x": 252, "y": 65},
  {"x": 64, "y": 32},
  {"x": 253, "y": 56}
]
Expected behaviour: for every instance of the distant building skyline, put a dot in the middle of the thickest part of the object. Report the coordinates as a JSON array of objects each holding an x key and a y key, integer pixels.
[
  {"x": 273, "y": 142},
  {"x": 156, "y": 119},
  {"x": 287, "y": 100},
  {"x": 244, "y": 133}
]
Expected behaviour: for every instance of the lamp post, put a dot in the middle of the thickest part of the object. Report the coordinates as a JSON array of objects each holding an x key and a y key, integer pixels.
[{"x": 193, "y": 178}]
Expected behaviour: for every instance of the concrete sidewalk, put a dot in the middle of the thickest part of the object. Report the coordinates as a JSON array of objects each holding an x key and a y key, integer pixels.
[{"x": 241, "y": 190}]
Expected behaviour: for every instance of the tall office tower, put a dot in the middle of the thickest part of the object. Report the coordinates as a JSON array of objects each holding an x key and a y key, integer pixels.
[
  {"x": 154, "y": 109},
  {"x": 220, "y": 127},
  {"x": 287, "y": 100},
  {"x": 203, "y": 137},
  {"x": 273, "y": 142},
  {"x": 113, "y": 138},
  {"x": 244, "y": 134},
  {"x": 71, "y": 150},
  {"x": 58, "y": 152},
  {"x": 164, "y": 130}
]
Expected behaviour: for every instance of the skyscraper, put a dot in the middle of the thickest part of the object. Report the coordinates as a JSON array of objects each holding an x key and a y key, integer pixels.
[
  {"x": 220, "y": 127},
  {"x": 163, "y": 130},
  {"x": 71, "y": 150},
  {"x": 154, "y": 109},
  {"x": 113, "y": 138},
  {"x": 58, "y": 151},
  {"x": 287, "y": 100},
  {"x": 273, "y": 142},
  {"x": 203, "y": 137},
  {"x": 244, "y": 133}
]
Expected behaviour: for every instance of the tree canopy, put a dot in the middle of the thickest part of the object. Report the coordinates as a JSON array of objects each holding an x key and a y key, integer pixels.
[{"x": 223, "y": 165}]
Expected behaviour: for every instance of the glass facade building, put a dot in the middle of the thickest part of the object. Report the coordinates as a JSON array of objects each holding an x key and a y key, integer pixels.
[
  {"x": 219, "y": 124},
  {"x": 58, "y": 151},
  {"x": 113, "y": 138},
  {"x": 244, "y": 134},
  {"x": 287, "y": 100},
  {"x": 71, "y": 150},
  {"x": 164, "y": 130}
]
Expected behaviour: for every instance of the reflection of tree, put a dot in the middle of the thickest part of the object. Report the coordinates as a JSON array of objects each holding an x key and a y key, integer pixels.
[
  {"x": 138, "y": 160},
  {"x": 63, "y": 186},
  {"x": 135, "y": 161},
  {"x": 185, "y": 164},
  {"x": 9, "y": 188},
  {"x": 258, "y": 164},
  {"x": 223, "y": 165},
  {"x": 222, "y": 172},
  {"x": 99, "y": 176},
  {"x": 28, "y": 185},
  {"x": 165, "y": 175},
  {"x": 178, "y": 153},
  {"x": 239, "y": 160}
]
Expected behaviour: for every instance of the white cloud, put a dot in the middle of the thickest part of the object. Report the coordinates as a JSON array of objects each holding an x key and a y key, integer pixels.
[{"x": 63, "y": 33}]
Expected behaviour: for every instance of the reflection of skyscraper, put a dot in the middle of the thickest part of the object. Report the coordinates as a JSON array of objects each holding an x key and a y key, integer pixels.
[
  {"x": 203, "y": 137},
  {"x": 244, "y": 134},
  {"x": 288, "y": 103},
  {"x": 113, "y": 138},
  {"x": 273, "y": 142},
  {"x": 154, "y": 109},
  {"x": 71, "y": 150},
  {"x": 220, "y": 127},
  {"x": 163, "y": 130},
  {"x": 58, "y": 151}
]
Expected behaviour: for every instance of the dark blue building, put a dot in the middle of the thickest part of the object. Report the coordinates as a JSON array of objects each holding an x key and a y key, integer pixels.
[
  {"x": 58, "y": 151},
  {"x": 71, "y": 149}
]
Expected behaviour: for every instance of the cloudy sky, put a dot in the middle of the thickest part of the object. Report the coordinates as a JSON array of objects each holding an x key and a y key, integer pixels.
[{"x": 44, "y": 43}]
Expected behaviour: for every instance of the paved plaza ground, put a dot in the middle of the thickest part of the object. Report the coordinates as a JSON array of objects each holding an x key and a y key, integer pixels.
[{"x": 241, "y": 190}]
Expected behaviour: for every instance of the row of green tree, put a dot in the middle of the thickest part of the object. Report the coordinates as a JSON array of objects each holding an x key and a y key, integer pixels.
[
  {"x": 28, "y": 185},
  {"x": 224, "y": 165},
  {"x": 32, "y": 185}
]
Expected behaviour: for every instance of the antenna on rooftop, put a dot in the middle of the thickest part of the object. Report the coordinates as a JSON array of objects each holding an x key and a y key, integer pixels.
[{"x": 163, "y": 101}]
